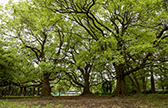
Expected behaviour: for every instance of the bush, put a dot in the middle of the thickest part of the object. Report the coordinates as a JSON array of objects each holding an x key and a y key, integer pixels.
[
  {"x": 133, "y": 92},
  {"x": 148, "y": 91},
  {"x": 98, "y": 93},
  {"x": 106, "y": 93},
  {"x": 163, "y": 92}
]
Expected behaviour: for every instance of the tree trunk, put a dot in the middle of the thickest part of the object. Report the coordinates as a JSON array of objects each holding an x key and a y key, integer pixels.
[
  {"x": 59, "y": 92},
  {"x": 20, "y": 93},
  {"x": 5, "y": 91},
  {"x": 10, "y": 89},
  {"x": 38, "y": 91},
  {"x": 24, "y": 92},
  {"x": 144, "y": 84},
  {"x": 152, "y": 83},
  {"x": 162, "y": 86},
  {"x": 34, "y": 89},
  {"x": 1, "y": 92},
  {"x": 161, "y": 82},
  {"x": 46, "y": 90},
  {"x": 86, "y": 90},
  {"x": 121, "y": 89}
]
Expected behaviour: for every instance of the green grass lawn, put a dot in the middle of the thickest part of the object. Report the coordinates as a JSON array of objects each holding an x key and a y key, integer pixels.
[{"x": 134, "y": 101}]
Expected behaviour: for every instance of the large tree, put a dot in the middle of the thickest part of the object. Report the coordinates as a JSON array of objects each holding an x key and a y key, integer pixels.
[
  {"x": 38, "y": 34},
  {"x": 127, "y": 32},
  {"x": 82, "y": 63}
]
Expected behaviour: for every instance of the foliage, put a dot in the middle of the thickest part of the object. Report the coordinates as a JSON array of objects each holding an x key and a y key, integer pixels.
[
  {"x": 10, "y": 64},
  {"x": 88, "y": 40},
  {"x": 39, "y": 39},
  {"x": 125, "y": 33},
  {"x": 62, "y": 87}
]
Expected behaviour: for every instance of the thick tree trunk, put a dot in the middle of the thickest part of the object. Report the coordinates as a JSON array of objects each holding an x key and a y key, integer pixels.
[
  {"x": 152, "y": 83},
  {"x": 46, "y": 90},
  {"x": 86, "y": 90},
  {"x": 121, "y": 89}
]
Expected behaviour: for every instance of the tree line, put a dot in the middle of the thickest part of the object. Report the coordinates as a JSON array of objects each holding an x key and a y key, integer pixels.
[{"x": 84, "y": 42}]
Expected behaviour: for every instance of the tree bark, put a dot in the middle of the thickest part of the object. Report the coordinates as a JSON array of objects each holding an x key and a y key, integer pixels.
[
  {"x": 86, "y": 87},
  {"x": 144, "y": 84},
  {"x": 24, "y": 92},
  {"x": 38, "y": 91},
  {"x": 1, "y": 92},
  {"x": 161, "y": 82},
  {"x": 34, "y": 89},
  {"x": 46, "y": 90},
  {"x": 121, "y": 89},
  {"x": 152, "y": 83},
  {"x": 20, "y": 93},
  {"x": 5, "y": 91},
  {"x": 10, "y": 89}
]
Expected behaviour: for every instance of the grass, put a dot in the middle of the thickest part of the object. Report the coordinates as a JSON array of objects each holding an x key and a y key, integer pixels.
[
  {"x": 152, "y": 100},
  {"x": 9, "y": 104},
  {"x": 60, "y": 105},
  {"x": 136, "y": 101}
]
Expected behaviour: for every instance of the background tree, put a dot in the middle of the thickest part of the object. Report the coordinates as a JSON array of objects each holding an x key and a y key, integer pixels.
[
  {"x": 7, "y": 65},
  {"x": 62, "y": 87}
]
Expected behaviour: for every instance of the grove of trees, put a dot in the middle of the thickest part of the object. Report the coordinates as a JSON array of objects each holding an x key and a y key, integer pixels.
[{"x": 84, "y": 43}]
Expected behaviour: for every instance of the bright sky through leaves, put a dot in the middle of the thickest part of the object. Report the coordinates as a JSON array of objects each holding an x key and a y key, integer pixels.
[{"x": 6, "y": 1}]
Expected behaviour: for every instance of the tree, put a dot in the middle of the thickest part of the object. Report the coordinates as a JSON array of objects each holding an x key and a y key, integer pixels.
[
  {"x": 127, "y": 35},
  {"x": 81, "y": 64},
  {"x": 39, "y": 36},
  {"x": 61, "y": 87},
  {"x": 6, "y": 66},
  {"x": 127, "y": 32},
  {"x": 135, "y": 83},
  {"x": 15, "y": 70}
]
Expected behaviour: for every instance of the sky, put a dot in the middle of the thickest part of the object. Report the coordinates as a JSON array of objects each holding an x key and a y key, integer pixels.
[{"x": 6, "y": 1}]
